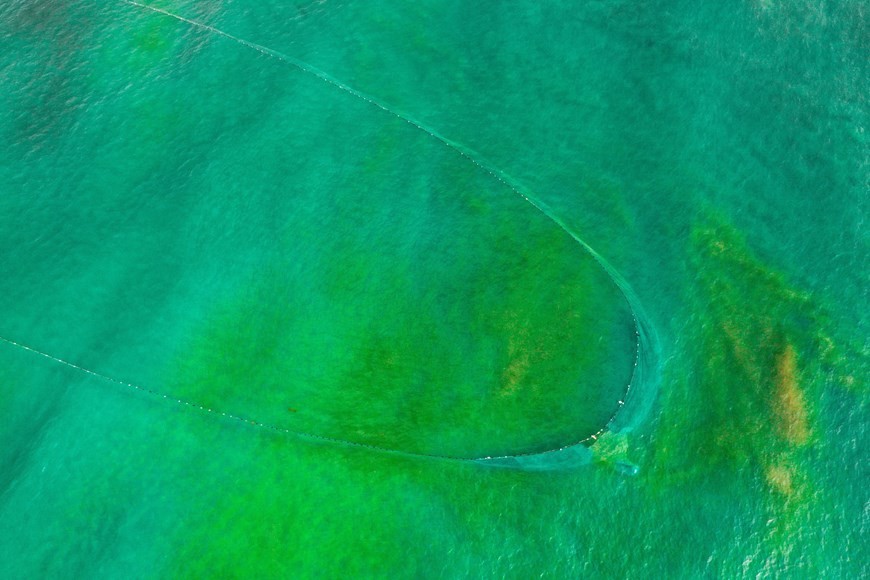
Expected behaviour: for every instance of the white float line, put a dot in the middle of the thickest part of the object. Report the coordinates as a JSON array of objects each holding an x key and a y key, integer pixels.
[{"x": 453, "y": 146}]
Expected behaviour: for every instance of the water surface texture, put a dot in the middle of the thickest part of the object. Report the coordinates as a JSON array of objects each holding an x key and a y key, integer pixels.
[{"x": 433, "y": 289}]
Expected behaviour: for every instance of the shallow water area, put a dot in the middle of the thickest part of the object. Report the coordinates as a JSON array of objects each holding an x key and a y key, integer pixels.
[{"x": 271, "y": 273}]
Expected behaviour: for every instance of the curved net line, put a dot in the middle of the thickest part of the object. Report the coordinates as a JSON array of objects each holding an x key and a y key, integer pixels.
[{"x": 643, "y": 336}]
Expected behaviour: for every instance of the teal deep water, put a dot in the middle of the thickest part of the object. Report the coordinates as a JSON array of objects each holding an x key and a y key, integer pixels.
[{"x": 274, "y": 275}]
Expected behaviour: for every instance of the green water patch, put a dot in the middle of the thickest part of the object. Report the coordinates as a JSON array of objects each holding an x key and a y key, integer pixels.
[
  {"x": 758, "y": 335},
  {"x": 750, "y": 416}
]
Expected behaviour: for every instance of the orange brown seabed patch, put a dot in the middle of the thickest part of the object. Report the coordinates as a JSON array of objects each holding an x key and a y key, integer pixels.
[
  {"x": 514, "y": 373},
  {"x": 524, "y": 352},
  {"x": 518, "y": 355},
  {"x": 780, "y": 477},
  {"x": 790, "y": 405},
  {"x": 522, "y": 356}
]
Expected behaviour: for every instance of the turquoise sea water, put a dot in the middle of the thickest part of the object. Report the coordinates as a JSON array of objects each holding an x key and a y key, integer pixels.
[{"x": 273, "y": 273}]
